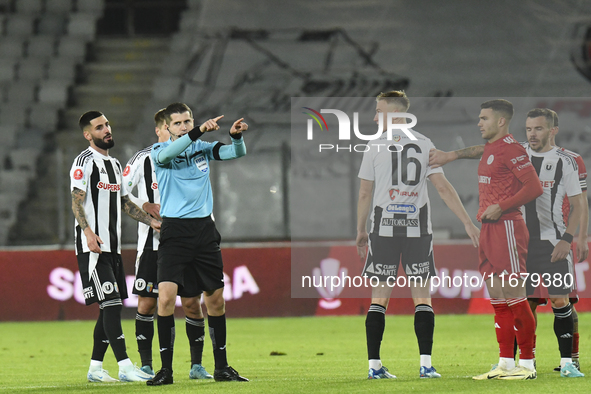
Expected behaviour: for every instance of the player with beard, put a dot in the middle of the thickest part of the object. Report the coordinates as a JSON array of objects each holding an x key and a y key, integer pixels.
[
  {"x": 550, "y": 237},
  {"x": 97, "y": 200}
]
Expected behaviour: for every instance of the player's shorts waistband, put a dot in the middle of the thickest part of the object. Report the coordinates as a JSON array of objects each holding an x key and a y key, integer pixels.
[{"x": 187, "y": 220}]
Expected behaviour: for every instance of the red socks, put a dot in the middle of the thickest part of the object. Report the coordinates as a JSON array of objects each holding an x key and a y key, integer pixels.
[
  {"x": 525, "y": 325},
  {"x": 504, "y": 327}
]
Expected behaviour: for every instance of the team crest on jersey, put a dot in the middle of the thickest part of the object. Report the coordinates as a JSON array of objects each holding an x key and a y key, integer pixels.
[
  {"x": 549, "y": 166},
  {"x": 78, "y": 174},
  {"x": 126, "y": 171},
  {"x": 201, "y": 163},
  {"x": 490, "y": 159},
  {"x": 140, "y": 284}
]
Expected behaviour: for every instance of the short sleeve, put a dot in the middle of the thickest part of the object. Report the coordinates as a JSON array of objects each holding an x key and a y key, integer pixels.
[
  {"x": 517, "y": 161},
  {"x": 132, "y": 172},
  {"x": 80, "y": 174},
  {"x": 571, "y": 178},
  {"x": 582, "y": 173},
  {"x": 366, "y": 171}
]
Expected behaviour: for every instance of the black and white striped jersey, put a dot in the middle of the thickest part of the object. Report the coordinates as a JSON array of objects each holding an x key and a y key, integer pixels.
[
  {"x": 559, "y": 176},
  {"x": 139, "y": 172},
  {"x": 100, "y": 177},
  {"x": 399, "y": 169}
]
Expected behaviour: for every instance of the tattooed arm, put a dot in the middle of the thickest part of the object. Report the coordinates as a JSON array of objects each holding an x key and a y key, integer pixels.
[
  {"x": 136, "y": 213},
  {"x": 92, "y": 239},
  {"x": 439, "y": 158}
]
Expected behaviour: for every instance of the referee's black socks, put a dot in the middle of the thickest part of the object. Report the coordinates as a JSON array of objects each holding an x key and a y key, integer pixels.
[
  {"x": 217, "y": 333},
  {"x": 563, "y": 328},
  {"x": 424, "y": 327},
  {"x": 166, "y": 334},
  {"x": 375, "y": 323}
]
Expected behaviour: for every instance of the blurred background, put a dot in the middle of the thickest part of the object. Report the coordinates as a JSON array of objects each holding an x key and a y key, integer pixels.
[{"x": 129, "y": 58}]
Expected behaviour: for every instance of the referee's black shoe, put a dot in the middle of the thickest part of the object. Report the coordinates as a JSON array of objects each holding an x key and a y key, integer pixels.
[
  {"x": 164, "y": 376},
  {"x": 227, "y": 374}
]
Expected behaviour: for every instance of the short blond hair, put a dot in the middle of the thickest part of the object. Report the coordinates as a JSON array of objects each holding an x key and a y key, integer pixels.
[{"x": 397, "y": 98}]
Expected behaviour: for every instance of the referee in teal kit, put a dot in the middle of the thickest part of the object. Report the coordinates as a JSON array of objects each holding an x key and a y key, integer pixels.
[{"x": 189, "y": 241}]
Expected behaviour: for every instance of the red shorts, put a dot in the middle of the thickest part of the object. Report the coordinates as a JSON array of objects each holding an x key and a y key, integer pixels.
[{"x": 503, "y": 247}]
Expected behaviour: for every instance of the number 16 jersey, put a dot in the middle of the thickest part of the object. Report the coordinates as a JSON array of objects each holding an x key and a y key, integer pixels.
[{"x": 399, "y": 169}]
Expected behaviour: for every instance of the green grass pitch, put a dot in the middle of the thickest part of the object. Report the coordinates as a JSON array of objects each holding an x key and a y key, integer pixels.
[{"x": 322, "y": 354}]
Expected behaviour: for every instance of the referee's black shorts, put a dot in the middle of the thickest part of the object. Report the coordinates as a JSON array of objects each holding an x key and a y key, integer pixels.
[{"x": 190, "y": 252}]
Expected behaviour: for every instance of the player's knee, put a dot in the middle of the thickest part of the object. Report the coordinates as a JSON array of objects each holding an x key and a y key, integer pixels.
[
  {"x": 146, "y": 305},
  {"x": 559, "y": 302}
]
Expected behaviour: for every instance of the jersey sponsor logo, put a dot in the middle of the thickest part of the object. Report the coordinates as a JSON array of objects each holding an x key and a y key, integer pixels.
[
  {"x": 484, "y": 179},
  {"x": 547, "y": 184},
  {"x": 417, "y": 268},
  {"x": 126, "y": 171},
  {"x": 583, "y": 175},
  {"x": 154, "y": 185},
  {"x": 88, "y": 293},
  {"x": 103, "y": 171},
  {"x": 112, "y": 187},
  {"x": 509, "y": 140},
  {"x": 108, "y": 287},
  {"x": 382, "y": 269},
  {"x": 396, "y": 192},
  {"x": 400, "y": 222},
  {"x": 140, "y": 284},
  {"x": 78, "y": 174},
  {"x": 401, "y": 208},
  {"x": 490, "y": 159},
  {"x": 521, "y": 167},
  {"x": 517, "y": 159}
]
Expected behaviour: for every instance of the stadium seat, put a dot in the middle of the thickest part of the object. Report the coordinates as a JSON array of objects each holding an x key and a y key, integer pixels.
[
  {"x": 24, "y": 160},
  {"x": 58, "y": 6},
  {"x": 33, "y": 70},
  {"x": 94, "y": 7},
  {"x": 8, "y": 69},
  {"x": 8, "y": 137},
  {"x": 8, "y": 215},
  {"x": 44, "y": 117},
  {"x": 20, "y": 26},
  {"x": 62, "y": 69},
  {"x": 72, "y": 47},
  {"x": 53, "y": 24},
  {"x": 15, "y": 183},
  {"x": 21, "y": 92},
  {"x": 82, "y": 25},
  {"x": 15, "y": 114},
  {"x": 54, "y": 93},
  {"x": 11, "y": 48},
  {"x": 41, "y": 47},
  {"x": 29, "y": 6}
]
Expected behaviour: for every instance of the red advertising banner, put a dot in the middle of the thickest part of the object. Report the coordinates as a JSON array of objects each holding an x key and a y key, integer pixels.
[{"x": 45, "y": 284}]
